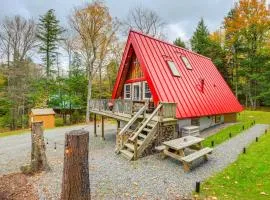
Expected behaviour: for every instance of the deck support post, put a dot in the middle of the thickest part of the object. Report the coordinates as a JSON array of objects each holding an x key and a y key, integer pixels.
[
  {"x": 95, "y": 125},
  {"x": 136, "y": 149},
  {"x": 102, "y": 128}
]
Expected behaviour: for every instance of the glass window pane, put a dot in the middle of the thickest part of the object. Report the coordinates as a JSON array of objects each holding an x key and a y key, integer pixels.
[
  {"x": 127, "y": 91},
  {"x": 173, "y": 68},
  {"x": 136, "y": 93},
  {"x": 147, "y": 92},
  {"x": 186, "y": 62}
]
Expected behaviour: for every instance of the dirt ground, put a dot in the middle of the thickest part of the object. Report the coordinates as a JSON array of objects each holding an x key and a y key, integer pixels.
[{"x": 16, "y": 187}]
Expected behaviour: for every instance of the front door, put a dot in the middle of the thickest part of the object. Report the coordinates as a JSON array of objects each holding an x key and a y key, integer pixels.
[{"x": 136, "y": 91}]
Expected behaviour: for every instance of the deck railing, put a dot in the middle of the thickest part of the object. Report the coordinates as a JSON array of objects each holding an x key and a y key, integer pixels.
[
  {"x": 168, "y": 110},
  {"x": 123, "y": 106},
  {"x": 126, "y": 106}
]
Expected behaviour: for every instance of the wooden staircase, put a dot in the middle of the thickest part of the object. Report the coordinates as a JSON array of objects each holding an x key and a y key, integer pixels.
[{"x": 141, "y": 137}]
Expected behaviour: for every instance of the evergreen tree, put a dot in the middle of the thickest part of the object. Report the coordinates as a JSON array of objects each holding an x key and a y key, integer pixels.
[
  {"x": 179, "y": 42},
  {"x": 49, "y": 34},
  {"x": 210, "y": 45},
  {"x": 76, "y": 65},
  {"x": 200, "y": 39}
]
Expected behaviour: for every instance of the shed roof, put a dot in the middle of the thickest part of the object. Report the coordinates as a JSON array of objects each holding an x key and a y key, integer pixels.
[
  {"x": 42, "y": 111},
  {"x": 216, "y": 96}
]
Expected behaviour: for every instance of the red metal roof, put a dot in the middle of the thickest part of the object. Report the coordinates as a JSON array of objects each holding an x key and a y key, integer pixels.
[{"x": 192, "y": 101}]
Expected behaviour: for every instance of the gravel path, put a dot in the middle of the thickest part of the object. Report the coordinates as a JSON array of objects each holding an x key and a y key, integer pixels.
[{"x": 113, "y": 177}]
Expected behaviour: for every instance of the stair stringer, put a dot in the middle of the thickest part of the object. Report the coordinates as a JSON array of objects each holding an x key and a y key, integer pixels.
[{"x": 151, "y": 137}]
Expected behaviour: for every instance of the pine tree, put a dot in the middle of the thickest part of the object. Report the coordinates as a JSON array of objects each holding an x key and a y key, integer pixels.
[
  {"x": 200, "y": 39},
  {"x": 179, "y": 42},
  {"x": 76, "y": 65},
  {"x": 49, "y": 34}
]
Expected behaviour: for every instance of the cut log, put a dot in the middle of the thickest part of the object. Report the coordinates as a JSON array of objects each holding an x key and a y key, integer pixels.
[
  {"x": 38, "y": 156},
  {"x": 75, "y": 183}
]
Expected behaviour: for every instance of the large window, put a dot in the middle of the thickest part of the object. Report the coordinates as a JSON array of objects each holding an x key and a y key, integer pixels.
[
  {"x": 146, "y": 91},
  {"x": 186, "y": 62},
  {"x": 173, "y": 68},
  {"x": 127, "y": 91}
]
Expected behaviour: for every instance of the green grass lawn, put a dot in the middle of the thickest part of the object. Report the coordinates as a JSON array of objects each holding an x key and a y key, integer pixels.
[
  {"x": 246, "y": 179},
  {"x": 24, "y": 131},
  {"x": 261, "y": 117},
  {"x": 17, "y": 132},
  {"x": 245, "y": 119}
]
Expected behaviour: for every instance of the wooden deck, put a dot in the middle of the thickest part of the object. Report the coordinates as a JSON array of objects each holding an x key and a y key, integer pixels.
[
  {"x": 124, "y": 110},
  {"x": 141, "y": 125}
]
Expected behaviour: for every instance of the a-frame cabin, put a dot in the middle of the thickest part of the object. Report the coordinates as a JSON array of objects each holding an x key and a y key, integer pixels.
[{"x": 161, "y": 88}]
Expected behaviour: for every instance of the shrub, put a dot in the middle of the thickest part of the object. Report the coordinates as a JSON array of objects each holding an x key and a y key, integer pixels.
[{"x": 59, "y": 121}]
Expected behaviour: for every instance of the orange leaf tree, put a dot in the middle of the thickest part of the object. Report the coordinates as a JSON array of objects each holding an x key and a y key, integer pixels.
[
  {"x": 246, "y": 33},
  {"x": 96, "y": 30}
]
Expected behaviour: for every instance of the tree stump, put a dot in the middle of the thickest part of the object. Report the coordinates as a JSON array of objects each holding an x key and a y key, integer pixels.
[
  {"x": 75, "y": 183},
  {"x": 38, "y": 156}
]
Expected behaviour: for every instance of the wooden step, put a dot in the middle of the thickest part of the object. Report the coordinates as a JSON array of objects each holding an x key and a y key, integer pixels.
[
  {"x": 142, "y": 135},
  {"x": 130, "y": 146},
  {"x": 147, "y": 129},
  {"x": 151, "y": 124},
  {"x": 140, "y": 142},
  {"x": 127, "y": 154}
]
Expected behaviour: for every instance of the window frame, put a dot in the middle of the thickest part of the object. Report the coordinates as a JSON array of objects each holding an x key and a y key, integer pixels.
[
  {"x": 144, "y": 97},
  {"x": 186, "y": 62},
  {"x": 125, "y": 92},
  {"x": 174, "y": 70}
]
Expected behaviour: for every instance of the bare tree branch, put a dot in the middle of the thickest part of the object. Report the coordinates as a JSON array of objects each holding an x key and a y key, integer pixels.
[
  {"x": 144, "y": 20},
  {"x": 17, "y": 37}
]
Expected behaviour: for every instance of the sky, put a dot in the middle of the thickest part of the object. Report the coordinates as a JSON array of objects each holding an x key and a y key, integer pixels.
[{"x": 181, "y": 16}]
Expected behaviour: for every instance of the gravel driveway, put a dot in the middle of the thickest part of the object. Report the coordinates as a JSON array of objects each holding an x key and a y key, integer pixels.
[{"x": 113, "y": 177}]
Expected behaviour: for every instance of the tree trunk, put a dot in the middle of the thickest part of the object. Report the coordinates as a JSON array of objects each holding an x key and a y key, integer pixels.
[
  {"x": 38, "y": 156},
  {"x": 89, "y": 93},
  {"x": 76, "y": 184},
  {"x": 47, "y": 62}
]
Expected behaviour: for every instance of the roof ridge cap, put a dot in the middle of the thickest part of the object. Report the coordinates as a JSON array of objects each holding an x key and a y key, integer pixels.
[{"x": 151, "y": 37}]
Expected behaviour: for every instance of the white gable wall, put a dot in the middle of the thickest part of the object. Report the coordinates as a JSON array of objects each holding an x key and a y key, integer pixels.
[{"x": 205, "y": 122}]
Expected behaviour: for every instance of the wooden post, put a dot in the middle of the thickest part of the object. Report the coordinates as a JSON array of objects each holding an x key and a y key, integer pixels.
[
  {"x": 198, "y": 187},
  {"x": 75, "y": 182},
  {"x": 95, "y": 125},
  {"x": 38, "y": 156},
  {"x": 102, "y": 128},
  {"x": 135, "y": 149}
]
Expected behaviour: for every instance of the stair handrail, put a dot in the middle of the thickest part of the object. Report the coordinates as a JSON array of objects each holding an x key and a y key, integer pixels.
[
  {"x": 133, "y": 119},
  {"x": 145, "y": 123}
]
